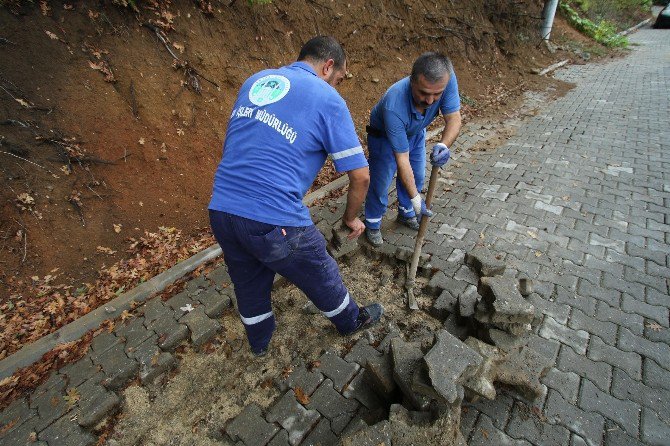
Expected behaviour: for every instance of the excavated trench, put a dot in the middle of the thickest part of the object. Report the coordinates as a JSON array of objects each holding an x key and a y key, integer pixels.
[{"x": 401, "y": 382}]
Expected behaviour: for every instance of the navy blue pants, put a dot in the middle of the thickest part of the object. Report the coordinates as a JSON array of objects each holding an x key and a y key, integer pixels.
[
  {"x": 382, "y": 168},
  {"x": 255, "y": 251}
]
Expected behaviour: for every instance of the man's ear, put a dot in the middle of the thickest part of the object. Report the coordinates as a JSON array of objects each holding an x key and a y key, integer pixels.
[{"x": 328, "y": 67}]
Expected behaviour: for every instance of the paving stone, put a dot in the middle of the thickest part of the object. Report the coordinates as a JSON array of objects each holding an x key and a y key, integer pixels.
[
  {"x": 659, "y": 314},
  {"x": 14, "y": 415},
  {"x": 499, "y": 410},
  {"x": 577, "y": 339},
  {"x": 337, "y": 369},
  {"x": 154, "y": 310},
  {"x": 79, "y": 371},
  {"x": 293, "y": 417},
  {"x": 588, "y": 425},
  {"x": 629, "y": 362},
  {"x": 202, "y": 328},
  {"x": 153, "y": 361},
  {"x": 103, "y": 342},
  {"x": 625, "y": 413},
  {"x": 615, "y": 436},
  {"x": 467, "y": 275},
  {"x": 170, "y": 333},
  {"x": 655, "y": 350},
  {"x": 484, "y": 262},
  {"x": 67, "y": 432},
  {"x": 526, "y": 425},
  {"x": 379, "y": 373},
  {"x": 361, "y": 352},
  {"x": 503, "y": 302},
  {"x": 329, "y": 403},
  {"x": 446, "y": 303},
  {"x": 599, "y": 372},
  {"x": 360, "y": 390},
  {"x": 607, "y": 331},
  {"x": 281, "y": 439},
  {"x": 117, "y": 366},
  {"x": 521, "y": 368},
  {"x": 634, "y": 322},
  {"x": 565, "y": 383},
  {"x": 215, "y": 302},
  {"x": 440, "y": 281},
  {"x": 21, "y": 435},
  {"x": 485, "y": 433},
  {"x": 467, "y": 301},
  {"x": 50, "y": 404},
  {"x": 181, "y": 302},
  {"x": 450, "y": 363},
  {"x": 406, "y": 357},
  {"x": 559, "y": 312},
  {"x": 196, "y": 285},
  {"x": 655, "y": 376},
  {"x": 627, "y": 388},
  {"x": 321, "y": 435},
  {"x": 94, "y": 406},
  {"x": 250, "y": 427},
  {"x": 300, "y": 376},
  {"x": 219, "y": 276},
  {"x": 133, "y": 332},
  {"x": 655, "y": 427}
]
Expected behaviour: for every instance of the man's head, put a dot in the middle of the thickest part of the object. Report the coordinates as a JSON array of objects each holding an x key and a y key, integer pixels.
[
  {"x": 430, "y": 76},
  {"x": 327, "y": 58}
]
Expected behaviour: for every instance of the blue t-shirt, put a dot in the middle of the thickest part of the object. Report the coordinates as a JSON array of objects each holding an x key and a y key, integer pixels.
[
  {"x": 284, "y": 124},
  {"x": 396, "y": 115}
]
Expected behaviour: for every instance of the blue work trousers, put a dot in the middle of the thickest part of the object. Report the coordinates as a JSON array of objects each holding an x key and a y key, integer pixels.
[
  {"x": 255, "y": 251},
  {"x": 382, "y": 168}
]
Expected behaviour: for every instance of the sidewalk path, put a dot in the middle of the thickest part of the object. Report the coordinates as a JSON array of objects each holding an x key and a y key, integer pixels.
[{"x": 578, "y": 199}]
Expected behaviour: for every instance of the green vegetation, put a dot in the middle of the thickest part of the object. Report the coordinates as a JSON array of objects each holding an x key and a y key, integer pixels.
[{"x": 603, "y": 31}]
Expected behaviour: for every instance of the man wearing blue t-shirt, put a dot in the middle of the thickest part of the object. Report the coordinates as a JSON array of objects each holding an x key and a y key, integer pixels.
[
  {"x": 284, "y": 124},
  {"x": 397, "y": 139}
]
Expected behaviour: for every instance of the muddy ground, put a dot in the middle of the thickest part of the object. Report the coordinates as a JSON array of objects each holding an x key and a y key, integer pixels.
[{"x": 212, "y": 386}]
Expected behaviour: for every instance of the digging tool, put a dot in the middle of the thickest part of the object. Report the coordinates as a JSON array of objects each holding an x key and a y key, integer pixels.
[{"x": 423, "y": 226}]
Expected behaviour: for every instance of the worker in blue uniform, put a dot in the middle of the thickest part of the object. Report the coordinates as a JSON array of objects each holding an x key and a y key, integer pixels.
[
  {"x": 284, "y": 124},
  {"x": 397, "y": 139}
]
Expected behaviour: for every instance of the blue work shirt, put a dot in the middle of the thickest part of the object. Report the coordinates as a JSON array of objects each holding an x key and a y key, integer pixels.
[
  {"x": 396, "y": 116},
  {"x": 284, "y": 124}
]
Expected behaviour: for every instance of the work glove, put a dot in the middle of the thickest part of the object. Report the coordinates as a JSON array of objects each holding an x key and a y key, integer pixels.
[
  {"x": 420, "y": 208},
  {"x": 439, "y": 155}
]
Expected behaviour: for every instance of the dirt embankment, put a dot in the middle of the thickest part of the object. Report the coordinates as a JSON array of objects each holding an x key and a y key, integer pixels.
[{"x": 113, "y": 119}]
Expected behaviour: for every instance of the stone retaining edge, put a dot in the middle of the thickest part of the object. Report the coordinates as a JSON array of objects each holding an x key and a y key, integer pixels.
[{"x": 634, "y": 28}]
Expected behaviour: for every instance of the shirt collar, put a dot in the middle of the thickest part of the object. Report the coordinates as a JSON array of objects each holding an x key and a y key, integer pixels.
[{"x": 303, "y": 65}]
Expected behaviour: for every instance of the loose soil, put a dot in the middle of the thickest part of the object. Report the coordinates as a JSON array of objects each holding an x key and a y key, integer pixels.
[
  {"x": 213, "y": 386},
  {"x": 104, "y": 139}
]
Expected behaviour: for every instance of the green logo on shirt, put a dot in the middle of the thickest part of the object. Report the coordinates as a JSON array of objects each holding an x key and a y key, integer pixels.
[{"x": 269, "y": 89}]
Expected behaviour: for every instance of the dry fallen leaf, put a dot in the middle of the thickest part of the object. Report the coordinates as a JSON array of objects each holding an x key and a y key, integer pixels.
[
  {"x": 22, "y": 102},
  {"x": 51, "y": 35},
  {"x": 654, "y": 326},
  {"x": 180, "y": 132},
  {"x": 301, "y": 396},
  {"x": 105, "y": 250},
  {"x": 179, "y": 46},
  {"x": 117, "y": 228},
  {"x": 72, "y": 396},
  {"x": 141, "y": 141},
  {"x": 532, "y": 234}
]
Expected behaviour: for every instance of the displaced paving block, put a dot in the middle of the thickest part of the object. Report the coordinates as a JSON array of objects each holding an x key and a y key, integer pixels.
[
  {"x": 340, "y": 244},
  {"x": 394, "y": 332},
  {"x": 95, "y": 409},
  {"x": 379, "y": 373},
  {"x": 406, "y": 357},
  {"x": 215, "y": 303},
  {"x": 153, "y": 361},
  {"x": 360, "y": 390},
  {"x": 356, "y": 425},
  {"x": 457, "y": 326},
  {"x": 293, "y": 417},
  {"x": 329, "y": 403},
  {"x": 467, "y": 301},
  {"x": 201, "y": 327},
  {"x": 281, "y": 439},
  {"x": 250, "y": 427},
  {"x": 337, "y": 369},
  {"x": 300, "y": 376},
  {"x": 484, "y": 262},
  {"x": 522, "y": 369},
  {"x": 502, "y": 305},
  {"x": 445, "y": 304},
  {"x": 450, "y": 363},
  {"x": 482, "y": 382},
  {"x": 219, "y": 276},
  {"x": 361, "y": 352}
]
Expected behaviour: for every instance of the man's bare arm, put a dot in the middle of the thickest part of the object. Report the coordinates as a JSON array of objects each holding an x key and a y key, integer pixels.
[
  {"x": 359, "y": 180},
  {"x": 452, "y": 127},
  {"x": 405, "y": 173}
]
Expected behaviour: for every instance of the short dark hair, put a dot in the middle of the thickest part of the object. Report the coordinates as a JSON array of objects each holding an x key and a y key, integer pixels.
[
  {"x": 433, "y": 66},
  {"x": 322, "y": 48}
]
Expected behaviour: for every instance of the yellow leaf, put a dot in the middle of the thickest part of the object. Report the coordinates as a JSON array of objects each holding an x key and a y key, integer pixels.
[
  {"x": 117, "y": 228},
  {"x": 532, "y": 234},
  {"x": 22, "y": 102},
  {"x": 51, "y": 35}
]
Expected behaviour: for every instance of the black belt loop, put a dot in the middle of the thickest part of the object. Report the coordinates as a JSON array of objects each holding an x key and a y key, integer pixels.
[{"x": 374, "y": 132}]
